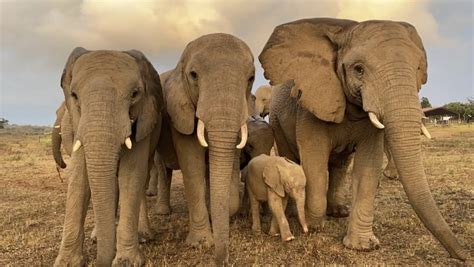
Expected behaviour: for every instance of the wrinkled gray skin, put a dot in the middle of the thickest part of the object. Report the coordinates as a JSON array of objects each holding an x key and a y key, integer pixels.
[
  {"x": 210, "y": 83},
  {"x": 321, "y": 115},
  {"x": 109, "y": 96},
  {"x": 274, "y": 179},
  {"x": 260, "y": 141},
  {"x": 64, "y": 138}
]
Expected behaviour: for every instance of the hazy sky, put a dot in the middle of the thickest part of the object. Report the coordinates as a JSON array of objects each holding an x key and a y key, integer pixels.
[{"x": 37, "y": 37}]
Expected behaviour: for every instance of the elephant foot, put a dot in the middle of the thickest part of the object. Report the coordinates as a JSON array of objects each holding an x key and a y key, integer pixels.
[
  {"x": 94, "y": 235},
  {"x": 361, "y": 242},
  {"x": 163, "y": 209},
  {"x": 256, "y": 230},
  {"x": 390, "y": 174},
  {"x": 144, "y": 237},
  {"x": 337, "y": 211},
  {"x": 129, "y": 258},
  {"x": 287, "y": 237},
  {"x": 316, "y": 223},
  {"x": 200, "y": 238},
  {"x": 69, "y": 260},
  {"x": 151, "y": 192}
]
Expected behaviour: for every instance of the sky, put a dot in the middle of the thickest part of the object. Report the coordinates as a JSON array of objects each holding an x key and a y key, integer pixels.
[{"x": 37, "y": 37}]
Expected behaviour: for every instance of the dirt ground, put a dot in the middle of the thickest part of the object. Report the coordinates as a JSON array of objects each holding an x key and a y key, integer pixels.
[{"x": 32, "y": 201}]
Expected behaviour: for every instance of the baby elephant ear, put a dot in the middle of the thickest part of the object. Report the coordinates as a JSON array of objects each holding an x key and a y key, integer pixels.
[
  {"x": 272, "y": 178},
  {"x": 149, "y": 114},
  {"x": 302, "y": 51}
]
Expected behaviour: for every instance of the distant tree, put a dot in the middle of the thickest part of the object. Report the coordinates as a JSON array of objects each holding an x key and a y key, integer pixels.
[
  {"x": 465, "y": 110},
  {"x": 425, "y": 103}
]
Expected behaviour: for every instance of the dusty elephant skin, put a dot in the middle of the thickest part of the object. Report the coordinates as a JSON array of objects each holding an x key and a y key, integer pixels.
[
  {"x": 206, "y": 97},
  {"x": 113, "y": 102},
  {"x": 380, "y": 66},
  {"x": 275, "y": 179}
]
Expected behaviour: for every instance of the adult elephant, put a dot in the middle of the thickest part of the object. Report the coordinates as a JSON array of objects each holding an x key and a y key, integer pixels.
[
  {"x": 341, "y": 78},
  {"x": 206, "y": 97},
  {"x": 114, "y": 100}
]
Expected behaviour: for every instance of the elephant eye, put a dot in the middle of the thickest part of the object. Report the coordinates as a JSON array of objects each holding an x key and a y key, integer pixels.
[
  {"x": 74, "y": 95},
  {"x": 134, "y": 93},
  {"x": 194, "y": 75},
  {"x": 359, "y": 69},
  {"x": 251, "y": 79}
]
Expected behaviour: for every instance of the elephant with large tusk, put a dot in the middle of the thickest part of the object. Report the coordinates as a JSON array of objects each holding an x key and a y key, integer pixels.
[
  {"x": 206, "y": 97},
  {"x": 113, "y": 103},
  {"x": 344, "y": 85}
]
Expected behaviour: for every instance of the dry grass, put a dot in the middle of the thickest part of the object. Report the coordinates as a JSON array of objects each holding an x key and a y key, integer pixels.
[{"x": 32, "y": 201}]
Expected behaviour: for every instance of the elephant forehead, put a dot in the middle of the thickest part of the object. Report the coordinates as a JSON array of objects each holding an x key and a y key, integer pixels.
[{"x": 110, "y": 62}]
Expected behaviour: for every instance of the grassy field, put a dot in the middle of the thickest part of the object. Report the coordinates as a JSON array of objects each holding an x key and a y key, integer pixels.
[{"x": 32, "y": 201}]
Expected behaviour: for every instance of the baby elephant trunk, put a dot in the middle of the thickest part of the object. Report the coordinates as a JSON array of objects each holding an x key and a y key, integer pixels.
[{"x": 300, "y": 202}]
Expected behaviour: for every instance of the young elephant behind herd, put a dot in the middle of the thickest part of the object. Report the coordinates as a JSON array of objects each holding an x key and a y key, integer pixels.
[{"x": 336, "y": 85}]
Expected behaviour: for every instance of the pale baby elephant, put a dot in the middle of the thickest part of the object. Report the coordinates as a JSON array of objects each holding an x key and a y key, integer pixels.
[{"x": 274, "y": 179}]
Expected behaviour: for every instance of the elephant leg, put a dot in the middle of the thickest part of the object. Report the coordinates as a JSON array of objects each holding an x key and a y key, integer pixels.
[
  {"x": 314, "y": 146},
  {"x": 390, "y": 171},
  {"x": 191, "y": 158},
  {"x": 336, "y": 188},
  {"x": 163, "y": 205},
  {"x": 365, "y": 178},
  {"x": 132, "y": 178},
  {"x": 255, "y": 211},
  {"x": 274, "y": 227},
  {"x": 144, "y": 230},
  {"x": 153, "y": 183},
  {"x": 278, "y": 205},
  {"x": 77, "y": 202}
]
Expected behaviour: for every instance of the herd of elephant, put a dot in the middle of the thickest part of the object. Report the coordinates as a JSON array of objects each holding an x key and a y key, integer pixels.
[{"x": 340, "y": 92}]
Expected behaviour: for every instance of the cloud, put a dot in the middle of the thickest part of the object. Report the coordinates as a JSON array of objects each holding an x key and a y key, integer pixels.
[{"x": 37, "y": 36}]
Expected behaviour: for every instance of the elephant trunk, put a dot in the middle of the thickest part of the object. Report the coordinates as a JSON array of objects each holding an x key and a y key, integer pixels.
[
  {"x": 101, "y": 148},
  {"x": 56, "y": 142},
  {"x": 300, "y": 202},
  {"x": 402, "y": 121},
  {"x": 221, "y": 160}
]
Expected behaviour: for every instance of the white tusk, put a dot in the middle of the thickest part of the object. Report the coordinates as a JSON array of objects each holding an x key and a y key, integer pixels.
[
  {"x": 244, "y": 133},
  {"x": 200, "y": 134},
  {"x": 57, "y": 126},
  {"x": 128, "y": 143},
  {"x": 425, "y": 132},
  {"x": 375, "y": 121},
  {"x": 76, "y": 146}
]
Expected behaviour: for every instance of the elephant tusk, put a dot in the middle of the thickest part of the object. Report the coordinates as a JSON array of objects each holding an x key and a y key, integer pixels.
[
  {"x": 57, "y": 126},
  {"x": 76, "y": 146},
  {"x": 128, "y": 143},
  {"x": 425, "y": 132},
  {"x": 375, "y": 121},
  {"x": 200, "y": 133},
  {"x": 244, "y": 133}
]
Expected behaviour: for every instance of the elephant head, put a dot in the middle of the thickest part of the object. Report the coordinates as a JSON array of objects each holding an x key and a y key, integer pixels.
[
  {"x": 263, "y": 97},
  {"x": 208, "y": 90},
  {"x": 260, "y": 140},
  {"x": 113, "y": 99},
  {"x": 377, "y": 67}
]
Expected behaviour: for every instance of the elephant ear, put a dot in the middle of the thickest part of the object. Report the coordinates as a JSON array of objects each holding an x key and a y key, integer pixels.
[
  {"x": 251, "y": 105},
  {"x": 272, "y": 178},
  {"x": 149, "y": 112},
  {"x": 422, "y": 71},
  {"x": 178, "y": 104},
  {"x": 66, "y": 77},
  {"x": 301, "y": 51}
]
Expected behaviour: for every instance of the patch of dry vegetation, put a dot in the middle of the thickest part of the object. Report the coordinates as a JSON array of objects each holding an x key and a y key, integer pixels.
[{"x": 32, "y": 201}]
